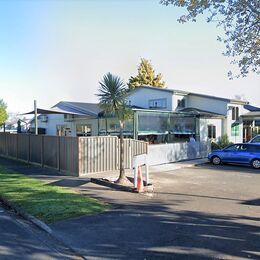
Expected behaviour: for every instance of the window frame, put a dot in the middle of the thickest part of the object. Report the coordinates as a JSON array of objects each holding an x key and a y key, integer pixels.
[{"x": 212, "y": 131}]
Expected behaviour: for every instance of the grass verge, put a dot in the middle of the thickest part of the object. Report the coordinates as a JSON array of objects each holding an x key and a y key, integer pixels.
[{"x": 45, "y": 202}]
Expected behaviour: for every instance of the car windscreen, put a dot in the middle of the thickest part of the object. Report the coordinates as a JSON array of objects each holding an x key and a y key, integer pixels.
[{"x": 256, "y": 140}]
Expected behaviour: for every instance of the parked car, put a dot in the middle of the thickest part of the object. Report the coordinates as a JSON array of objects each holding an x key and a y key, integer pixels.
[
  {"x": 255, "y": 140},
  {"x": 248, "y": 154}
]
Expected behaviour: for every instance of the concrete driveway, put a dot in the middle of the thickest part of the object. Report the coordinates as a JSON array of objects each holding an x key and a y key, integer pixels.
[{"x": 196, "y": 213}]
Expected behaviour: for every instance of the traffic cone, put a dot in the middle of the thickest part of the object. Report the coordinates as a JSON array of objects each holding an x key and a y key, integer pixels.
[{"x": 140, "y": 185}]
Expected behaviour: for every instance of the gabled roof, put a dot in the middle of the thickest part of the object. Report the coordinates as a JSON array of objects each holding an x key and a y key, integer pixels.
[
  {"x": 181, "y": 92},
  {"x": 71, "y": 108},
  {"x": 251, "y": 108},
  {"x": 78, "y": 108}
]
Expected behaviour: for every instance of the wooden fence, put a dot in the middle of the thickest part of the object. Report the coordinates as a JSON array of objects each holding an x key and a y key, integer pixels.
[{"x": 73, "y": 155}]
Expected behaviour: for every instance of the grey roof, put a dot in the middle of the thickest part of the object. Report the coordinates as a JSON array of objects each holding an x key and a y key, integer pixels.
[
  {"x": 72, "y": 108},
  {"x": 176, "y": 91},
  {"x": 201, "y": 112},
  {"x": 252, "y": 114},
  {"x": 251, "y": 108},
  {"x": 78, "y": 108}
]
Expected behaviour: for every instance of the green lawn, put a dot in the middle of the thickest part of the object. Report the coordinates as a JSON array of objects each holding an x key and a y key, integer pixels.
[{"x": 46, "y": 202}]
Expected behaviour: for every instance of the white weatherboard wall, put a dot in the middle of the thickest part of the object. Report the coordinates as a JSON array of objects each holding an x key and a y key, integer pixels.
[
  {"x": 58, "y": 119},
  {"x": 208, "y": 104},
  {"x": 204, "y": 122},
  {"x": 141, "y": 96}
]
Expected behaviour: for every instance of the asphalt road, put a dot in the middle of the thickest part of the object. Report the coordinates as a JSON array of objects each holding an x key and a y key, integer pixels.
[
  {"x": 203, "y": 212},
  {"x": 20, "y": 240}
]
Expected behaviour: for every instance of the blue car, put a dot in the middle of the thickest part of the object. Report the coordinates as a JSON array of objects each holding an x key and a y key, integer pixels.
[{"x": 247, "y": 153}]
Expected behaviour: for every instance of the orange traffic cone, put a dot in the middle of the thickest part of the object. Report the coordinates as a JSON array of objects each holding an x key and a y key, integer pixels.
[{"x": 140, "y": 185}]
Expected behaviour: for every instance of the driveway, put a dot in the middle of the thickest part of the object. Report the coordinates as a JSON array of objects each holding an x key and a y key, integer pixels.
[{"x": 196, "y": 213}]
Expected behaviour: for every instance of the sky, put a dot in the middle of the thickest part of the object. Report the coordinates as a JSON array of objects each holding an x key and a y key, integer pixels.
[{"x": 59, "y": 50}]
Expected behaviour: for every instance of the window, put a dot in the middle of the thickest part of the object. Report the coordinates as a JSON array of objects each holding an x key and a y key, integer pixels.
[
  {"x": 254, "y": 148},
  {"x": 211, "y": 131},
  {"x": 234, "y": 147},
  {"x": 63, "y": 130},
  {"x": 158, "y": 103},
  {"x": 83, "y": 130},
  {"x": 256, "y": 140},
  {"x": 181, "y": 103},
  {"x": 235, "y": 129},
  {"x": 235, "y": 113}
]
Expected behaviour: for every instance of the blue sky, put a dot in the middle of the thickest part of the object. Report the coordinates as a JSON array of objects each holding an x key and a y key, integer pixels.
[{"x": 59, "y": 50}]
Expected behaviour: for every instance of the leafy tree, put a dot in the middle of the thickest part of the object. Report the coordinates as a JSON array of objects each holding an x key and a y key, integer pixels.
[
  {"x": 3, "y": 113},
  {"x": 240, "y": 20},
  {"x": 146, "y": 76},
  {"x": 112, "y": 98}
]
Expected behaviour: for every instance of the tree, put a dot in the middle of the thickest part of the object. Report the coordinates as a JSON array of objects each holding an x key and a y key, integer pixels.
[
  {"x": 112, "y": 98},
  {"x": 240, "y": 20},
  {"x": 146, "y": 76},
  {"x": 3, "y": 113}
]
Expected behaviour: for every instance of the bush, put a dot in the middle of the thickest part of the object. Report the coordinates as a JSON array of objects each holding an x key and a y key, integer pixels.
[
  {"x": 214, "y": 146},
  {"x": 221, "y": 143}
]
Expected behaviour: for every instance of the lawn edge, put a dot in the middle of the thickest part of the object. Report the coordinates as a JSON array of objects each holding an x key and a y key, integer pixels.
[{"x": 40, "y": 224}]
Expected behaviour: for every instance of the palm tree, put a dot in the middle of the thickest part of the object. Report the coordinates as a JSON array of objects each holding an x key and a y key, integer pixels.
[{"x": 112, "y": 97}]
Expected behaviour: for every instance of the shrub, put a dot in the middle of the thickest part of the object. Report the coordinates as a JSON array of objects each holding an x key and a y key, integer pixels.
[
  {"x": 221, "y": 143},
  {"x": 214, "y": 146}
]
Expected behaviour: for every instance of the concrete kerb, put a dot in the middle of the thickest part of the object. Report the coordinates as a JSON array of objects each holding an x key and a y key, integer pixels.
[
  {"x": 27, "y": 216},
  {"x": 38, "y": 223}
]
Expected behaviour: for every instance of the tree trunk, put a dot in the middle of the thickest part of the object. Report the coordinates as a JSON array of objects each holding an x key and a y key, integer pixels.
[{"x": 122, "y": 178}]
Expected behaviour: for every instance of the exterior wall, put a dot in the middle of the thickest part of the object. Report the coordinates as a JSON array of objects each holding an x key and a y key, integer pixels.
[
  {"x": 175, "y": 99},
  {"x": 230, "y": 122},
  {"x": 141, "y": 97},
  {"x": 204, "y": 122},
  {"x": 58, "y": 119},
  {"x": 168, "y": 153},
  {"x": 208, "y": 104}
]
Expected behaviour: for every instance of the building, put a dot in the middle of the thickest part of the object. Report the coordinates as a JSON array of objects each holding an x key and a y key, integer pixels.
[
  {"x": 217, "y": 116},
  {"x": 159, "y": 115},
  {"x": 251, "y": 122}
]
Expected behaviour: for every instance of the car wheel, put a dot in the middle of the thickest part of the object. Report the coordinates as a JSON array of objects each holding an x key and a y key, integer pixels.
[
  {"x": 256, "y": 163},
  {"x": 216, "y": 160}
]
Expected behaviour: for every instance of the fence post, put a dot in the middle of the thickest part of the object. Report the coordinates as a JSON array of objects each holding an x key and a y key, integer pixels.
[
  {"x": 42, "y": 150},
  {"x": 16, "y": 147},
  {"x": 29, "y": 148},
  {"x": 6, "y": 144},
  {"x": 58, "y": 153}
]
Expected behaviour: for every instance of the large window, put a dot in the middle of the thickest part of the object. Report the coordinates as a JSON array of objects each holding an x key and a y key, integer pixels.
[
  {"x": 110, "y": 126},
  {"x": 211, "y": 131},
  {"x": 158, "y": 103}
]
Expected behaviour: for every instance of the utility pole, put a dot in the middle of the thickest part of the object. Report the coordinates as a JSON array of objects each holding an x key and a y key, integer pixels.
[{"x": 35, "y": 118}]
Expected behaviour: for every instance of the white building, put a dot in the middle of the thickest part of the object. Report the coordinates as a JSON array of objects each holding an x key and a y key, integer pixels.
[
  {"x": 218, "y": 116},
  {"x": 211, "y": 116}
]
